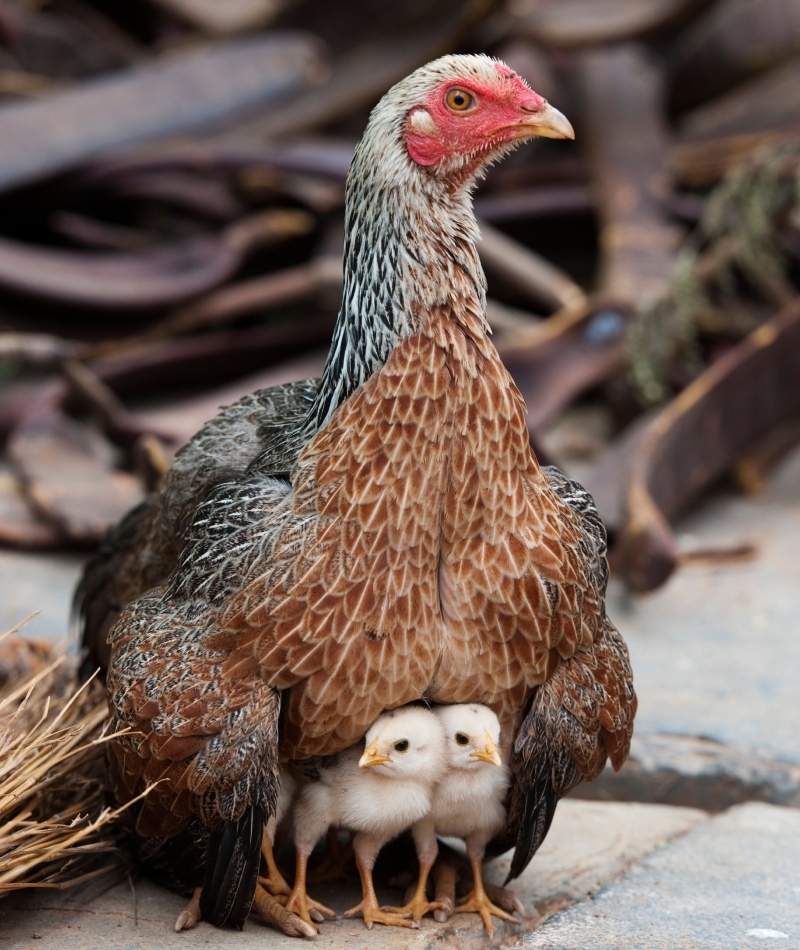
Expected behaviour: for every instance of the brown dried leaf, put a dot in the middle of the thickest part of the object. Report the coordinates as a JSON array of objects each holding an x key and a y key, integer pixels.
[
  {"x": 20, "y": 526},
  {"x": 68, "y": 474}
]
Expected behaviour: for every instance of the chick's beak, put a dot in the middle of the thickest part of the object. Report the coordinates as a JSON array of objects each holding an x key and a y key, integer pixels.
[
  {"x": 372, "y": 757},
  {"x": 489, "y": 754},
  {"x": 548, "y": 123}
]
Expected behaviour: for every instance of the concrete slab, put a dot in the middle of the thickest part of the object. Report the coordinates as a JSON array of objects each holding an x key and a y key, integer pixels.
[
  {"x": 589, "y": 844},
  {"x": 696, "y": 772},
  {"x": 42, "y": 582},
  {"x": 733, "y": 882},
  {"x": 716, "y": 651}
]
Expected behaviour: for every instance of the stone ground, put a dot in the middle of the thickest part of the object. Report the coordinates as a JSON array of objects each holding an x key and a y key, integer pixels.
[{"x": 716, "y": 654}]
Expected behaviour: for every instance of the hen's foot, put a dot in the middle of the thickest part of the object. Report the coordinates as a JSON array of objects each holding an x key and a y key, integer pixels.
[
  {"x": 191, "y": 913},
  {"x": 276, "y": 914},
  {"x": 476, "y": 902},
  {"x": 373, "y": 914},
  {"x": 504, "y": 898}
]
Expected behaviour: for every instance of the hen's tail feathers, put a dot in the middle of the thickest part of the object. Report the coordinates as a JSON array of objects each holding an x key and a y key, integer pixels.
[
  {"x": 232, "y": 864},
  {"x": 539, "y": 809}
]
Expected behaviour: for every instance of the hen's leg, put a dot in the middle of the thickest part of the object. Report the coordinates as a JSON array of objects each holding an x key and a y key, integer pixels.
[
  {"x": 366, "y": 848},
  {"x": 476, "y": 901},
  {"x": 445, "y": 876},
  {"x": 191, "y": 913},
  {"x": 299, "y": 902},
  {"x": 276, "y": 914}
]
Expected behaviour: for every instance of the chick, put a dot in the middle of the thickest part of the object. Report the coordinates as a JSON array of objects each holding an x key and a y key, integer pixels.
[
  {"x": 467, "y": 803},
  {"x": 376, "y": 794}
]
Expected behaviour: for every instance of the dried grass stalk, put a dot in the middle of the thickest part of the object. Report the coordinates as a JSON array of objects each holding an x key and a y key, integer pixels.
[{"x": 55, "y": 828}]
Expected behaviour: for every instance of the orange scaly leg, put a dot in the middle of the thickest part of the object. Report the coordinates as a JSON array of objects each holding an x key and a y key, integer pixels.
[
  {"x": 419, "y": 905},
  {"x": 299, "y": 902},
  {"x": 476, "y": 902},
  {"x": 274, "y": 883},
  {"x": 369, "y": 907}
]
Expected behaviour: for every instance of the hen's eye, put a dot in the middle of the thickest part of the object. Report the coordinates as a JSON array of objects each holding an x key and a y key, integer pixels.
[
  {"x": 462, "y": 739},
  {"x": 459, "y": 100},
  {"x": 401, "y": 746}
]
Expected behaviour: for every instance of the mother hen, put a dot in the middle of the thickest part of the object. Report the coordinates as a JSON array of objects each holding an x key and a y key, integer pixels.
[{"x": 379, "y": 536}]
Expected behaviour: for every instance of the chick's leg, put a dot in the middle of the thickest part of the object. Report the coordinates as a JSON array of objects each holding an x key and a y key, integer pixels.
[
  {"x": 274, "y": 883},
  {"x": 191, "y": 913},
  {"x": 366, "y": 848},
  {"x": 425, "y": 840},
  {"x": 298, "y": 901},
  {"x": 477, "y": 901}
]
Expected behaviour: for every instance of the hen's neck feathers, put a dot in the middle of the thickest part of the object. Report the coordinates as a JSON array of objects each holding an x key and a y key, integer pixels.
[{"x": 410, "y": 248}]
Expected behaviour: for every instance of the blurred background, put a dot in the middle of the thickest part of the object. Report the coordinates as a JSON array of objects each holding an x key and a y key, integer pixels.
[{"x": 171, "y": 223}]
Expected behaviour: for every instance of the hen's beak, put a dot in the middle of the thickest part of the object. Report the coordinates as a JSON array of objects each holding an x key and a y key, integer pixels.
[
  {"x": 371, "y": 757},
  {"x": 489, "y": 754},
  {"x": 549, "y": 123}
]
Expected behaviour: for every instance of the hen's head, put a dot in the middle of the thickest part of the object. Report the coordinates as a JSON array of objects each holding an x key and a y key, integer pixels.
[{"x": 461, "y": 112}]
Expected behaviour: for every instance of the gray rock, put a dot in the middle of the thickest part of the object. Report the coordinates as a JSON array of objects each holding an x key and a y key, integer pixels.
[
  {"x": 733, "y": 882},
  {"x": 700, "y": 773},
  {"x": 590, "y": 844}
]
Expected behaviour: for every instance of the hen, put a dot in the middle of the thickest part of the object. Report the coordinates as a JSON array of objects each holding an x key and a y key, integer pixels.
[{"x": 386, "y": 534}]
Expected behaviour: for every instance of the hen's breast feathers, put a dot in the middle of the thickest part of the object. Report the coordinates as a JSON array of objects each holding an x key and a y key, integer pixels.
[{"x": 420, "y": 551}]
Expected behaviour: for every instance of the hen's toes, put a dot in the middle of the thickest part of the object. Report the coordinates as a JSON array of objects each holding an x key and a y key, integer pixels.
[
  {"x": 191, "y": 913},
  {"x": 276, "y": 914},
  {"x": 504, "y": 898}
]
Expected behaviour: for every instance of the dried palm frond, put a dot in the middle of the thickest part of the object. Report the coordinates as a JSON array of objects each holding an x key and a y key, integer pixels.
[{"x": 55, "y": 827}]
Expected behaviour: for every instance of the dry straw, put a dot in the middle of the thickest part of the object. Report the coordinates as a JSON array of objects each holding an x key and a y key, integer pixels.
[{"x": 55, "y": 828}]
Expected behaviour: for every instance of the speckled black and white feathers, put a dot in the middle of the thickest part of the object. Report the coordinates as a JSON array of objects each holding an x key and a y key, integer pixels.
[{"x": 263, "y": 429}]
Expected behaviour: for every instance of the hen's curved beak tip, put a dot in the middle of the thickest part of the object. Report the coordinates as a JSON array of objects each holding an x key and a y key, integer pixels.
[{"x": 549, "y": 123}]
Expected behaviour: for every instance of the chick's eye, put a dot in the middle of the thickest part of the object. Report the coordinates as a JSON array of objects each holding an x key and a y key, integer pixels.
[
  {"x": 459, "y": 100},
  {"x": 462, "y": 739},
  {"x": 401, "y": 746}
]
